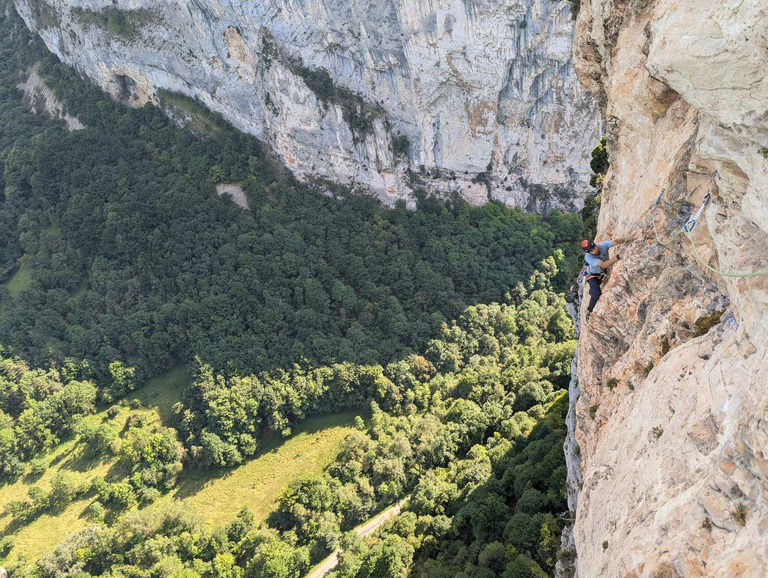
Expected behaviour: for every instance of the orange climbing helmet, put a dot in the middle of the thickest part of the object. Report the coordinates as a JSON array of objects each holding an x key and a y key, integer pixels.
[{"x": 587, "y": 245}]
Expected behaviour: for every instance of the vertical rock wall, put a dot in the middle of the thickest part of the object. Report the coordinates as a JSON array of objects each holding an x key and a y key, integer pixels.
[
  {"x": 484, "y": 92},
  {"x": 672, "y": 416},
  {"x": 566, "y": 564}
]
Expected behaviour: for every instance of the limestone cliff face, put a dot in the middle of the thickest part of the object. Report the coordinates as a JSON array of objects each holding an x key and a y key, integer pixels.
[
  {"x": 484, "y": 92},
  {"x": 672, "y": 424}
]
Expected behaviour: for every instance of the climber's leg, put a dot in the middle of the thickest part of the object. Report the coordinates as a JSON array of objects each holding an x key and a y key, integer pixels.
[{"x": 594, "y": 292}]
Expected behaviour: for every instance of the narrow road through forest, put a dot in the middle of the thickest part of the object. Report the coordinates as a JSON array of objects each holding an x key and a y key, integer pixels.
[{"x": 362, "y": 530}]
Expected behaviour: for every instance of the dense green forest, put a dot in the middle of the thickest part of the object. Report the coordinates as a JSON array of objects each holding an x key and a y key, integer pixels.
[
  {"x": 134, "y": 258},
  {"x": 442, "y": 326},
  {"x": 472, "y": 431}
]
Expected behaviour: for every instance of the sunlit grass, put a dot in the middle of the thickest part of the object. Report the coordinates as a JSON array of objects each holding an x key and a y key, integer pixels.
[
  {"x": 21, "y": 279},
  {"x": 258, "y": 483},
  {"x": 162, "y": 392},
  {"x": 217, "y": 494}
]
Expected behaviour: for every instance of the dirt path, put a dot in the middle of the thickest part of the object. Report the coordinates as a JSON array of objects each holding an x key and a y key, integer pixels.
[{"x": 363, "y": 530}]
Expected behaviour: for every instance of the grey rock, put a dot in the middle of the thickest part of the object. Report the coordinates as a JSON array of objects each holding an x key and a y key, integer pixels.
[{"x": 490, "y": 108}]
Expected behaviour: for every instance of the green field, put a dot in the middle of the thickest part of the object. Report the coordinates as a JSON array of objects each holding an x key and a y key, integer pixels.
[
  {"x": 21, "y": 279},
  {"x": 53, "y": 229},
  {"x": 23, "y": 276},
  {"x": 216, "y": 494},
  {"x": 258, "y": 483},
  {"x": 162, "y": 392}
]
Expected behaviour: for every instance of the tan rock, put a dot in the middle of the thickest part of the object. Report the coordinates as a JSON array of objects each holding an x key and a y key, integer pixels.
[
  {"x": 41, "y": 99},
  {"x": 235, "y": 192},
  {"x": 683, "y": 87}
]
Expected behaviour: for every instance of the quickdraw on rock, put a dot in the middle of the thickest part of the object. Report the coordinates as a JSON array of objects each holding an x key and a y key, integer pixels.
[
  {"x": 653, "y": 222},
  {"x": 688, "y": 230},
  {"x": 688, "y": 227}
]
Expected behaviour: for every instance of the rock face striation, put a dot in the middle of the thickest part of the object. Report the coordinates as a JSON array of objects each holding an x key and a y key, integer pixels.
[
  {"x": 673, "y": 366},
  {"x": 473, "y": 97}
]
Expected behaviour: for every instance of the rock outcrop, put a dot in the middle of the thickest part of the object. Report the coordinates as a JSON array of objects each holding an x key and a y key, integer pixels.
[
  {"x": 477, "y": 97},
  {"x": 41, "y": 99},
  {"x": 673, "y": 366}
]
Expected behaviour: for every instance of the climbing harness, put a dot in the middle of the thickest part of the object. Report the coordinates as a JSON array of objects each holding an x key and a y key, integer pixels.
[{"x": 688, "y": 230}]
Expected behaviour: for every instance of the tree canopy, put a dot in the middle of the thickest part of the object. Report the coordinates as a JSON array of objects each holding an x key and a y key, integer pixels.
[{"x": 442, "y": 326}]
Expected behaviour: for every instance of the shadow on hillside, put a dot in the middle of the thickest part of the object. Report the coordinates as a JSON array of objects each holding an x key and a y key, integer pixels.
[
  {"x": 78, "y": 460},
  {"x": 526, "y": 490}
]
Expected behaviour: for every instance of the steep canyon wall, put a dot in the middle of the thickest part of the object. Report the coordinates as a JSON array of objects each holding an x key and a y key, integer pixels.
[
  {"x": 478, "y": 97},
  {"x": 672, "y": 416}
]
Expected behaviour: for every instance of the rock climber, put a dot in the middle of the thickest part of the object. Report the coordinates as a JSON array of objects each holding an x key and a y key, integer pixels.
[{"x": 596, "y": 257}]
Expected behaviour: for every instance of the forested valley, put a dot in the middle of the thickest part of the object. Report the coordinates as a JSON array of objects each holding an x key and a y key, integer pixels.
[{"x": 443, "y": 328}]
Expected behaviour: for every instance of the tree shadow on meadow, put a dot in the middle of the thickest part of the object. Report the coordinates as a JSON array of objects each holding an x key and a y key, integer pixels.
[{"x": 195, "y": 479}]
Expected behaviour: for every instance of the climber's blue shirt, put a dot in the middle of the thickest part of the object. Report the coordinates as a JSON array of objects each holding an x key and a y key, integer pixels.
[{"x": 593, "y": 260}]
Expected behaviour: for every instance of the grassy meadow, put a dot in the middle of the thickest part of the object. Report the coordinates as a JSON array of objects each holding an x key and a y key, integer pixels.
[
  {"x": 20, "y": 279},
  {"x": 216, "y": 494}
]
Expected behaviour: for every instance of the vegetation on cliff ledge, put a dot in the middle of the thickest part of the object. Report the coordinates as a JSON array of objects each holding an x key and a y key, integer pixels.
[
  {"x": 124, "y": 24},
  {"x": 358, "y": 113}
]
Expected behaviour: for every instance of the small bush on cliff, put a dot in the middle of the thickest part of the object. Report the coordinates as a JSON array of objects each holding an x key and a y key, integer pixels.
[
  {"x": 567, "y": 558},
  {"x": 599, "y": 163},
  {"x": 400, "y": 146},
  {"x": 358, "y": 113},
  {"x": 126, "y": 24},
  {"x": 647, "y": 369},
  {"x": 706, "y": 322},
  {"x": 44, "y": 15},
  {"x": 739, "y": 514}
]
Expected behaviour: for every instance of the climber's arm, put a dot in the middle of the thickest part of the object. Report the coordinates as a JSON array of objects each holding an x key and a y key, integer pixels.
[{"x": 608, "y": 262}]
